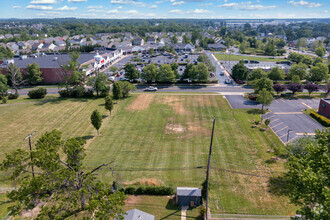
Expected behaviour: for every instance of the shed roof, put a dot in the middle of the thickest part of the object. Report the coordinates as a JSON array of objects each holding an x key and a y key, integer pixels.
[
  {"x": 135, "y": 214},
  {"x": 327, "y": 100},
  {"x": 188, "y": 191}
]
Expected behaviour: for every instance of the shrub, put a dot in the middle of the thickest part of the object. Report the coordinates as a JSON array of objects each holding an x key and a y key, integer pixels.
[
  {"x": 252, "y": 97},
  {"x": 13, "y": 95},
  {"x": 215, "y": 81},
  {"x": 149, "y": 190},
  {"x": 320, "y": 118},
  {"x": 76, "y": 92},
  {"x": 4, "y": 100},
  {"x": 89, "y": 93},
  {"x": 64, "y": 93},
  {"x": 37, "y": 93}
]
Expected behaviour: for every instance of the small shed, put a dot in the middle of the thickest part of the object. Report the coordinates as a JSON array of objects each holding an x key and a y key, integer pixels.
[
  {"x": 135, "y": 214},
  {"x": 188, "y": 196}
]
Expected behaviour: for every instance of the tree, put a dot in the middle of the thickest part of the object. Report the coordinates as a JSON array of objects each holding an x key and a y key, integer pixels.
[
  {"x": 166, "y": 74},
  {"x": 151, "y": 51},
  {"x": 320, "y": 51},
  {"x": 33, "y": 74},
  {"x": 276, "y": 74},
  {"x": 326, "y": 89},
  {"x": 150, "y": 73},
  {"x": 117, "y": 91},
  {"x": 317, "y": 60},
  {"x": 295, "y": 87},
  {"x": 3, "y": 85},
  {"x": 96, "y": 120},
  {"x": 108, "y": 104},
  {"x": 199, "y": 73},
  {"x": 257, "y": 74},
  {"x": 302, "y": 42},
  {"x": 307, "y": 178},
  {"x": 131, "y": 72},
  {"x": 14, "y": 77},
  {"x": 295, "y": 57},
  {"x": 278, "y": 88},
  {"x": 319, "y": 72},
  {"x": 263, "y": 83},
  {"x": 265, "y": 97},
  {"x": 240, "y": 71},
  {"x": 270, "y": 49},
  {"x": 174, "y": 67},
  {"x": 299, "y": 69},
  {"x": 59, "y": 181},
  {"x": 99, "y": 82},
  {"x": 307, "y": 60},
  {"x": 311, "y": 87},
  {"x": 73, "y": 71},
  {"x": 295, "y": 79}
]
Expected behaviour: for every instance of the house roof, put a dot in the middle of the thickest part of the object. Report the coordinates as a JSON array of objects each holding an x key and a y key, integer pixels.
[
  {"x": 188, "y": 191},
  {"x": 135, "y": 214}
]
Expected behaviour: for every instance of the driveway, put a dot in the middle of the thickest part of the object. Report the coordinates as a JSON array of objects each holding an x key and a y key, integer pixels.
[{"x": 285, "y": 116}]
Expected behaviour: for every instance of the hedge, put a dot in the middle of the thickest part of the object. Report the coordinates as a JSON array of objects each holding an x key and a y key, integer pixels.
[
  {"x": 77, "y": 92},
  {"x": 37, "y": 93},
  {"x": 149, "y": 190},
  {"x": 321, "y": 119},
  {"x": 13, "y": 95}
]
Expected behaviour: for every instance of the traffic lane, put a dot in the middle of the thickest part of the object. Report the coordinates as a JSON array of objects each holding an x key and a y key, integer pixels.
[
  {"x": 239, "y": 102},
  {"x": 297, "y": 124},
  {"x": 50, "y": 91}
]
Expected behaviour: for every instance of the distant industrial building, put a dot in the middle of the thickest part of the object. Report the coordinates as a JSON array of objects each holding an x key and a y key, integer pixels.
[
  {"x": 324, "y": 107},
  {"x": 51, "y": 65}
]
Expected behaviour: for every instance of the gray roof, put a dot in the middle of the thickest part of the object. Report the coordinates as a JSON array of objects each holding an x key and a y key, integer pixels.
[
  {"x": 188, "y": 191},
  {"x": 135, "y": 214},
  {"x": 48, "y": 61},
  {"x": 327, "y": 100}
]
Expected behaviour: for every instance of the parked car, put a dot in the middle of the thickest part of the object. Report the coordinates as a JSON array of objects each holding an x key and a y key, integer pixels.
[
  {"x": 151, "y": 89},
  {"x": 222, "y": 73},
  {"x": 228, "y": 81}
]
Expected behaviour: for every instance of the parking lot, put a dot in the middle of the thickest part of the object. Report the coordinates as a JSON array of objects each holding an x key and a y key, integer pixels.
[{"x": 285, "y": 116}]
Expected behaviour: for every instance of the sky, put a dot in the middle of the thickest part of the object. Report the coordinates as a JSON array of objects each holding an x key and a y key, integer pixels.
[{"x": 209, "y": 9}]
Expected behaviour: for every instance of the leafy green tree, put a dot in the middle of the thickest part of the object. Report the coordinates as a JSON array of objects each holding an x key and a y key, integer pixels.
[
  {"x": 296, "y": 57},
  {"x": 317, "y": 60},
  {"x": 299, "y": 69},
  {"x": 33, "y": 74},
  {"x": 73, "y": 74},
  {"x": 320, "y": 51},
  {"x": 319, "y": 72},
  {"x": 257, "y": 74},
  {"x": 59, "y": 181},
  {"x": 295, "y": 79},
  {"x": 151, "y": 51},
  {"x": 240, "y": 71},
  {"x": 98, "y": 82},
  {"x": 263, "y": 83},
  {"x": 117, "y": 91},
  {"x": 276, "y": 74},
  {"x": 96, "y": 120},
  {"x": 166, "y": 74},
  {"x": 307, "y": 177},
  {"x": 301, "y": 43},
  {"x": 108, "y": 104},
  {"x": 265, "y": 98},
  {"x": 14, "y": 77},
  {"x": 3, "y": 85},
  {"x": 131, "y": 72},
  {"x": 150, "y": 73},
  {"x": 5, "y": 53},
  {"x": 174, "y": 67},
  {"x": 270, "y": 49},
  {"x": 199, "y": 73},
  {"x": 307, "y": 60}
]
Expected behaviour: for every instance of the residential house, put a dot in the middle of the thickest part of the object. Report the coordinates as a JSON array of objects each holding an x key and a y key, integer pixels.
[
  {"x": 135, "y": 214},
  {"x": 37, "y": 46},
  {"x": 47, "y": 47},
  {"x": 217, "y": 47},
  {"x": 151, "y": 41},
  {"x": 138, "y": 41}
]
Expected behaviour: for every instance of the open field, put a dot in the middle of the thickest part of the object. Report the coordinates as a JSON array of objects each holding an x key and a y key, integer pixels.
[
  {"x": 26, "y": 99},
  {"x": 165, "y": 137},
  {"x": 238, "y": 57}
]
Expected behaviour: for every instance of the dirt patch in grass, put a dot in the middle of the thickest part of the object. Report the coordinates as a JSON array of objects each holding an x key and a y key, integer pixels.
[
  {"x": 203, "y": 101},
  {"x": 176, "y": 103},
  {"x": 142, "y": 102},
  {"x": 146, "y": 182},
  {"x": 197, "y": 128},
  {"x": 174, "y": 129}
]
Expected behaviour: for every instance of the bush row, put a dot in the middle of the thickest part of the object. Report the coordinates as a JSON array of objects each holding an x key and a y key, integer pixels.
[
  {"x": 13, "y": 95},
  {"x": 149, "y": 190},
  {"x": 76, "y": 92},
  {"x": 37, "y": 93},
  {"x": 321, "y": 119}
]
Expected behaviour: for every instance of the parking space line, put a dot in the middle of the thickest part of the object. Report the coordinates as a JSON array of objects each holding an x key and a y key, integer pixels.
[
  {"x": 305, "y": 133},
  {"x": 292, "y": 139},
  {"x": 306, "y": 105},
  {"x": 274, "y": 120},
  {"x": 282, "y": 129},
  {"x": 276, "y": 125},
  {"x": 283, "y": 135},
  {"x": 288, "y": 113},
  {"x": 276, "y": 101},
  {"x": 270, "y": 117}
]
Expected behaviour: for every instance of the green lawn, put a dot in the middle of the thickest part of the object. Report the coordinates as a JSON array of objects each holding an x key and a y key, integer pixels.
[
  {"x": 25, "y": 99},
  {"x": 165, "y": 137},
  {"x": 238, "y": 57}
]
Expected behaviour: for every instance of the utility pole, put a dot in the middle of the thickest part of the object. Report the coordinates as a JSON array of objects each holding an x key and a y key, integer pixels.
[
  {"x": 208, "y": 170},
  {"x": 30, "y": 145}
]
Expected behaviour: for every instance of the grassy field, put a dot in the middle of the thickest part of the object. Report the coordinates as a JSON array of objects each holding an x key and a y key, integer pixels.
[
  {"x": 238, "y": 57},
  {"x": 166, "y": 138},
  {"x": 26, "y": 99}
]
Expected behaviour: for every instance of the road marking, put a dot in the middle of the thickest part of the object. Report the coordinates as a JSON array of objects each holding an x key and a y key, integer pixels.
[
  {"x": 288, "y": 113},
  {"x": 292, "y": 139},
  {"x": 276, "y": 101},
  {"x": 283, "y": 135},
  {"x": 306, "y": 105},
  {"x": 281, "y": 129},
  {"x": 274, "y": 120},
  {"x": 282, "y": 100},
  {"x": 270, "y": 117},
  {"x": 276, "y": 125},
  {"x": 305, "y": 133}
]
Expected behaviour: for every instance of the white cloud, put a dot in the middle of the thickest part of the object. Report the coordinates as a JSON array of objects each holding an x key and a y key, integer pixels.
[
  {"x": 304, "y": 4},
  {"x": 66, "y": 8},
  {"x": 94, "y": 7},
  {"x": 198, "y": 11},
  {"x": 127, "y": 2},
  {"x": 225, "y": 0},
  {"x": 153, "y": 6},
  {"x": 43, "y": 2},
  {"x": 132, "y": 12},
  {"x": 325, "y": 11},
  {"x": 158, "y": 2},
  {"x": 114, "y": 11},
  {"x": 77, "y": 1},
  {"x": 177, "y": 3},
  {"x": 39, "y": 7},
  {"x": 16, "y": 7},
  {"x": 206, "y": 4},
  {"x": 176, "y": 11},
  {"x": 246, "y": 6}
]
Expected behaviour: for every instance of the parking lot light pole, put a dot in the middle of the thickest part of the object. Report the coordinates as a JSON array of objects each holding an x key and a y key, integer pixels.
[{"x": 287, "y": 138}]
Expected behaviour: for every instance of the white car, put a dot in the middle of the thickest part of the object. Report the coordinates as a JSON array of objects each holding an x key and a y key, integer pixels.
[{"x": 151, "y": 89}]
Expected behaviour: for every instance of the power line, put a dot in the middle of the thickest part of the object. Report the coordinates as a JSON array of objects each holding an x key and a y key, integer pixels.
[{"x": 208, "y": 170}]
